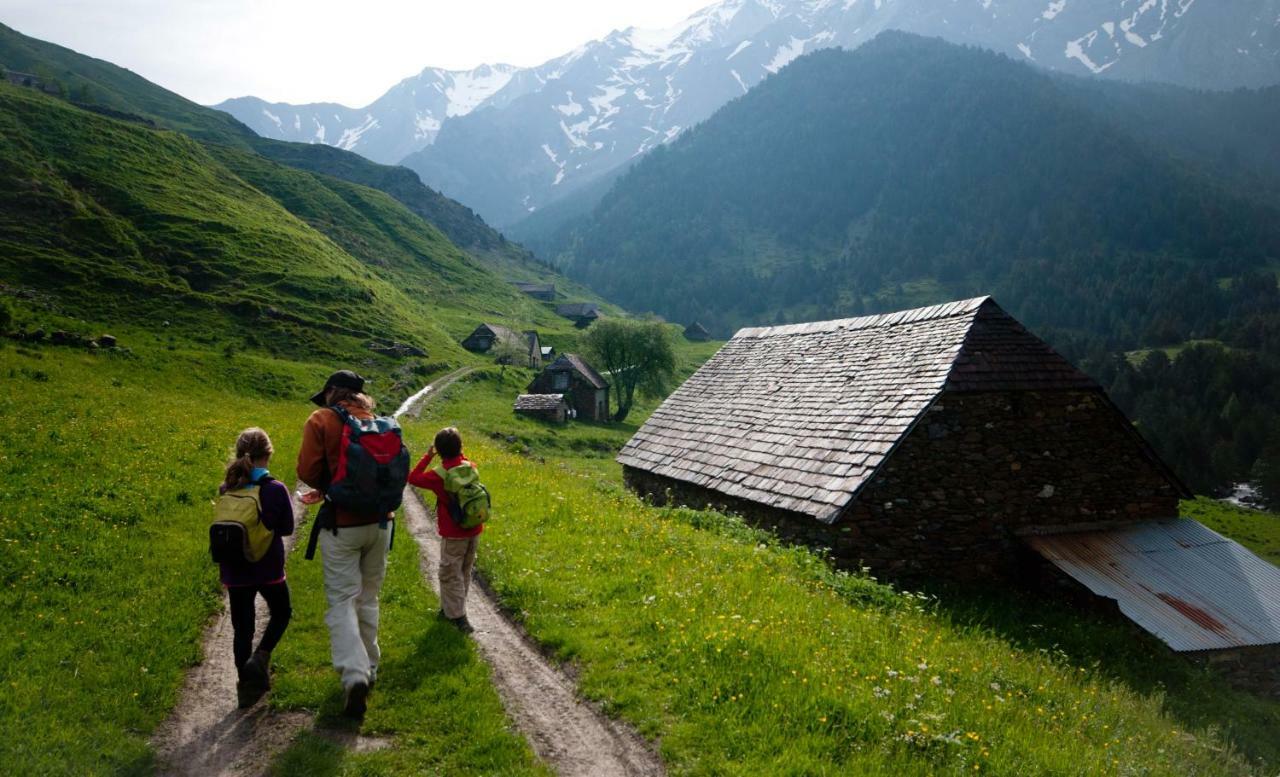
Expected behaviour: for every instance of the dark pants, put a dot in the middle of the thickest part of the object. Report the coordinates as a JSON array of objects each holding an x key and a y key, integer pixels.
[{"x": 242, "y": 597}]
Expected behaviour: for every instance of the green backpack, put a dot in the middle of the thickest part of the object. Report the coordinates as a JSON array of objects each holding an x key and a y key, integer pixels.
[
  {"x": 237, "y": 534},
  {"x": 468, "y": 500}
]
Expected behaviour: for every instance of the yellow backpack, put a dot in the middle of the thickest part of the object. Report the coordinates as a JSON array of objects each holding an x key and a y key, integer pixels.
[{"x": 237, "y": 534}]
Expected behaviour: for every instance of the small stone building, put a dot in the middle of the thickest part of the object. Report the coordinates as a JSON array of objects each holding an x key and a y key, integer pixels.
[
  {"x": 486, "y": 336},
  {"x": 928, "y": 443},
  {"x": 696, "y": 333},
  {"x": 584, "y": 389},
  {"x": 548, "y": 407},
  {"x": 545, "y": 292},
  {"x": 583, "y": 314}
]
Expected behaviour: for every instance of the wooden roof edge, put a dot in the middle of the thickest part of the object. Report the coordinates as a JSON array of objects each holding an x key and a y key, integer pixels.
[{"x": 951, "y": 309}]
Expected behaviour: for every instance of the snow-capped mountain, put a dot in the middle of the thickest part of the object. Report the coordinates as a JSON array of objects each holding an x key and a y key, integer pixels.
[
  {"x": 516, "y": 140},
  {"x": 400, "y": 122}
]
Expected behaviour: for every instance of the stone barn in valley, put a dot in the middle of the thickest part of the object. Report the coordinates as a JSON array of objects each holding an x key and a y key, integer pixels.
[
  {"x": 548, "y": 407},
  {"x": 944, "y": 442},
  {"x": 487, "y": 336},
  {"x": 584, "y": 388}
]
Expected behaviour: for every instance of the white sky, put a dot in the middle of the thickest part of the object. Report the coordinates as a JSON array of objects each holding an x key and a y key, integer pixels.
[{"x": 321, "y": 50}]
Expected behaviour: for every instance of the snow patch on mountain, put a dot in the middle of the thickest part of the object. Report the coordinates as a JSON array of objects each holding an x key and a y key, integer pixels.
[
  {"x": 472, "y": 88},
  {"x": 351, "y": 136}
]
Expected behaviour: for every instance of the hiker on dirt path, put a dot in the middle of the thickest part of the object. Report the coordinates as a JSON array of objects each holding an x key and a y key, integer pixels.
[
  {"x": 246, "y": 580},
  {"x": 457, "y": 543},
  {"x": 361, "y": 486}
]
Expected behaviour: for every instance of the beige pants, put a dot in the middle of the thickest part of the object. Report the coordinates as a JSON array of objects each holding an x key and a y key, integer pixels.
[
  {"x": 355, "y": 561},
  {"x": 457, "y": 559}
]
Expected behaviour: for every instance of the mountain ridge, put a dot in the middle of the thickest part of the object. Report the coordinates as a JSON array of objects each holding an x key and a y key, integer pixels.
[{"x": 557, "y": 126}]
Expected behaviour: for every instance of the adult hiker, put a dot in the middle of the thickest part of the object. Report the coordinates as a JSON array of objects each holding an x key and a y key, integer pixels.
[
  {"x": 253, "y": 514},
  {"x": 358, "y": 466}
]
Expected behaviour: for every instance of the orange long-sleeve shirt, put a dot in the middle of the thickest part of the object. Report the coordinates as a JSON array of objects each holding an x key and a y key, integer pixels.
[{"x": 318, "y": 456}]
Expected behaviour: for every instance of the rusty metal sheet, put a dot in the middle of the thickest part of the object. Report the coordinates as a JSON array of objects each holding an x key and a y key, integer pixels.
[{"x": 1179, "y": 580}]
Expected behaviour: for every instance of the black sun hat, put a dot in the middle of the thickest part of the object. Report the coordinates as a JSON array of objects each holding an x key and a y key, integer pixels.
[{"x": 340, "y": 379}]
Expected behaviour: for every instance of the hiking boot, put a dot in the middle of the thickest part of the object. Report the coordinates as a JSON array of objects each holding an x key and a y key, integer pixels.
[
  {"x": 462, "y": 624},
  {"x": 257, "y": 670},
  {"x": 247, "y": 694},
  {"x": 357, "y": 701}
]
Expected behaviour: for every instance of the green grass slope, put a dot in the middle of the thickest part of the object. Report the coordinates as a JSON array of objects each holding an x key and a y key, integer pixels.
[
  {"x": 106, "y": 585},
  {"x": 98, "y": 84},
  {"x": 115, "y": 222},
  {"x": 743, "y": 656}
]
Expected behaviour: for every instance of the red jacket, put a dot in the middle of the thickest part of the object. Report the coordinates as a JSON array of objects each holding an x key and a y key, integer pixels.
[{"x": 422, "y": 477}]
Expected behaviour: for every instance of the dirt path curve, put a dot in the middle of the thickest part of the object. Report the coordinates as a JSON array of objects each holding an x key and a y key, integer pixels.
[
  {"x": 570, "y": 735},
  {"x": 207, "y": 734}
]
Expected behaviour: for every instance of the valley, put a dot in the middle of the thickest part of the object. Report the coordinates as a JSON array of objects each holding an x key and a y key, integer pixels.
[{"x": 171, "y": 274}]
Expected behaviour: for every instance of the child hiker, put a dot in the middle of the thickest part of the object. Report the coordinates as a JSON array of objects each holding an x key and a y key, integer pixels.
[
  {"x": 245, "y": 580},
  {"x": 457, "y": 545}
]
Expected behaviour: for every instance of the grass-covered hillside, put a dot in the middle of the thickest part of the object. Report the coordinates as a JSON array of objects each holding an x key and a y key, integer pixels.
[
  {"x": 100, "y": 86},
  {"x": 742, "y": 656},
  {"x": 115, "y": 222}
]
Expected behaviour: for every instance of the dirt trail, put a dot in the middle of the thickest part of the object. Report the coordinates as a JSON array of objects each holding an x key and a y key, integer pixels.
[
  {"x": 570, "y": 735},
  {"x": 207, "y": 734},
  {"x": 573, "y": 737}
]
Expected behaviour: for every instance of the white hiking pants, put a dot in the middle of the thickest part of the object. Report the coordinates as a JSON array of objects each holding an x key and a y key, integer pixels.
[{"x": 355, "y": 561}]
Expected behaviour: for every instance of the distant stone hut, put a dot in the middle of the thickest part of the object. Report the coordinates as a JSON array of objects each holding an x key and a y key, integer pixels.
[
  {"x": 583, "y": 314},
  {"x": 539, "y": 291},
  {"x": 934, "y": 442},
  {"x": 696, "y": 333},
  {"x": 548, "y": 407},
  {"x": 486, "y": 336},
  {"x": 584, "y": 388},
  {"x": 29, "y": 80}
]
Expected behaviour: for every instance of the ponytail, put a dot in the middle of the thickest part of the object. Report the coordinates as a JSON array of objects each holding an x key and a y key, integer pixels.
[{"x": 253, "y": 444}]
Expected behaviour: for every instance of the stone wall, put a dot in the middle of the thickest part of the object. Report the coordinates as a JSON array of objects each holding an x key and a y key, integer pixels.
[
  {"x": 977, "y": 468},
  {"x": 1253, "y": 669}
]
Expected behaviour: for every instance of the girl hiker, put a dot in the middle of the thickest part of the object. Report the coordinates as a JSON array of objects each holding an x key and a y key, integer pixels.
[
  {"x": 457, "y": 545},
  {"x": 243, "y": 580}
]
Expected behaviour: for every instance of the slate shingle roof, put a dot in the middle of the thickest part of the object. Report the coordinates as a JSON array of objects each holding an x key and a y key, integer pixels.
[
  {"x": 578, "y": 309},
  {"x": 539, "y": 401},
  {"x": 799, "y": 417},
  {"x": 572, "y": 361}
]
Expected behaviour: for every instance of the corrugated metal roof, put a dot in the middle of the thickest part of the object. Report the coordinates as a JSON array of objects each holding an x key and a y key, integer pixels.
[{"x": 1179, "y": 580}]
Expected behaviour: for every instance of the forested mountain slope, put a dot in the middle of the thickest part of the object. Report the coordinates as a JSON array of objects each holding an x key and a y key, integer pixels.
[{"x": 912, "y": 171}]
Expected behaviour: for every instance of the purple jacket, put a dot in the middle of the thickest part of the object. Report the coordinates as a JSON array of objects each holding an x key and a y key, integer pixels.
[{"x": 277, "y": 515}]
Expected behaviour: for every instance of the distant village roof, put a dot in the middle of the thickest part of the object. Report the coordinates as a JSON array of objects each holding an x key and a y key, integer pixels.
[
  {"x": 578, "y": 309},
  {"x": 503, "y": 333},
  {"x": 572, "y": 361},
  {"x": 799, "y": 417},
  {"x": 1184, "y": 583},
  {"x": 696, "y": 331},
  {"x": 539, "y": 401}
]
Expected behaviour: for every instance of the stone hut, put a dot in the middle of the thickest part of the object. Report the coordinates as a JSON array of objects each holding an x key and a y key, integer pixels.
[
  {"x": 583, "y": 314},
  {"x": 545, "y": 292},
  {"x": 934, "y": 442},
  {"x": 548, "y": 407},
  {"x": 696, "y": 333},
  {"x": 484, "y": 337},
  {"x": 584, "y": 389}
]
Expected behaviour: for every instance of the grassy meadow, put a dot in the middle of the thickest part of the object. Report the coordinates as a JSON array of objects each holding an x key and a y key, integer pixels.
[
  {"x": 741, "y": 656},
  {"x": 105, "y": 487}
]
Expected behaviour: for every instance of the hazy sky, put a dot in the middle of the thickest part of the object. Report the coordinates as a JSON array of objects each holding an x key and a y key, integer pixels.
[{"x": 306, "y": 51}]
